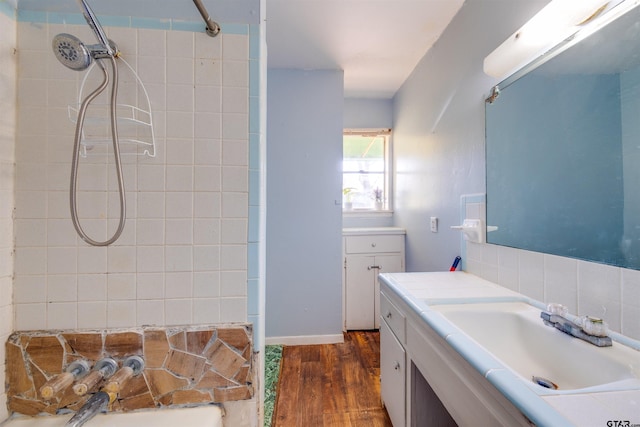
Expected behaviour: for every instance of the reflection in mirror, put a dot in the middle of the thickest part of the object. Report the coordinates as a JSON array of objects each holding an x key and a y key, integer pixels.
[{"x": 563, "y": 152}]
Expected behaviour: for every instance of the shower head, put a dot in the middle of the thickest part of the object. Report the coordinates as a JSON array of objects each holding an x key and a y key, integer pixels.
[
  {"x": 71, "y": 52},
  {"x": 93, "y": 22}
]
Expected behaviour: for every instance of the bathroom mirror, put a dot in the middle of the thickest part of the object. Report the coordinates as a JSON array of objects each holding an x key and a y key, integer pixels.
[{"x": 563, "y": 151}]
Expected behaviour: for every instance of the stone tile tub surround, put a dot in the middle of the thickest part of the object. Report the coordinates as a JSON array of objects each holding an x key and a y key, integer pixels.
[{"x": 185, "y": 366}]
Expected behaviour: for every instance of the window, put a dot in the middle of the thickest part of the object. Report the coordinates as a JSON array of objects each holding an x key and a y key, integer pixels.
[{"x": 366, "y": 170}]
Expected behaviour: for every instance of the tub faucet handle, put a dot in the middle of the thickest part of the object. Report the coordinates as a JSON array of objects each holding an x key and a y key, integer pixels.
[
  {"x": 104, "y": 368},
  {"x": 62, "y": 381},
  {"x": 131, "y": 367}
]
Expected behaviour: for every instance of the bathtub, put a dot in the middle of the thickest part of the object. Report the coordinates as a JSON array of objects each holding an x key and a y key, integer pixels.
[{"x": 201, "y": 416}]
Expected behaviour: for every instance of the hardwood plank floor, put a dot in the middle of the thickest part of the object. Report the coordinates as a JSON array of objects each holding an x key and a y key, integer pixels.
[{"x": 336, "y": 385}]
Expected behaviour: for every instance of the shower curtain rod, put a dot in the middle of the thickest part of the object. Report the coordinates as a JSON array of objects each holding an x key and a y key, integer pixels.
[{"x": 212, "y": 27}]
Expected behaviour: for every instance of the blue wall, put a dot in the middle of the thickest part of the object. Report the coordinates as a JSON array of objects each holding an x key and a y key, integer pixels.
[
  {"x": 304, "y": 217},
  {"x": 439, "y": 128}
]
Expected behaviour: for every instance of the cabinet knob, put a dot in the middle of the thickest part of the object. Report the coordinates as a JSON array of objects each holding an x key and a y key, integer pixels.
[
  {"x": 388, "y": 316},
  {"x": 396, "y": 365},
  {"x": 373, "y": 245}
]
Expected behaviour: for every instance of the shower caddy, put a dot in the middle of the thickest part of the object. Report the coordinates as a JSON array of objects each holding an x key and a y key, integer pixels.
[{"x": 135, "y": 123}]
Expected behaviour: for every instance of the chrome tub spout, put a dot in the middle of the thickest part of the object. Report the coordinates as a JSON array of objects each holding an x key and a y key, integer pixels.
[{"x": 96, "y": 404}]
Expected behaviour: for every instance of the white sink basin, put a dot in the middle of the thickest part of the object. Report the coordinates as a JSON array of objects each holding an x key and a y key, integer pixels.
[
  {"x": 514, "y": 334},
  {"x": 202, "y": 416}
]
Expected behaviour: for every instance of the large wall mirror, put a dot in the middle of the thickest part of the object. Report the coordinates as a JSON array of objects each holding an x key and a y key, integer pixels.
[{"x": 563, "y": 151}]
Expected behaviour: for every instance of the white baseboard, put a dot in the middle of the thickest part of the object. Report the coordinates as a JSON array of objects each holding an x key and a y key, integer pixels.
[{"x": 305, "y": 340}]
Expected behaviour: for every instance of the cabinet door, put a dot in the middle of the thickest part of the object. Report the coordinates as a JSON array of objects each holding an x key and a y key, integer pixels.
[
  {"x": 392, "y": 375},
  {"x": 386, "y": 264},
  {"x": 360, "y": 291}
]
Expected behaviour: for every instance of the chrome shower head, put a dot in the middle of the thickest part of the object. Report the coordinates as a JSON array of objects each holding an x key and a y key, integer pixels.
[
  {"x": 71, "y": 52},
  {"x": 92, "y": 21}
]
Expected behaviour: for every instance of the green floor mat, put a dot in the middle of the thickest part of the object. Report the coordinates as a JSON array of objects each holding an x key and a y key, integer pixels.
[{"x": 273, "y": 355}]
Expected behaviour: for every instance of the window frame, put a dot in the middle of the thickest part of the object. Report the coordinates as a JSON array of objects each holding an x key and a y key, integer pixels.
[{"x": 387, "y": 208}]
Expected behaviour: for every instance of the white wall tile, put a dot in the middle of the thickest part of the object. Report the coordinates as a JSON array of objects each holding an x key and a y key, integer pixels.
[
  {"x": 150, "y": 312},
  {"x": 150, "y": 259},
  {"x": 206, "y": 310},
  {"x": 150, "y": 286},
  {"x": 150, "y": 232},
  {"x": 206, "y": 258},
  {"x": 208, "y": 125},
  {"x": 233, "y": 257},
  {"x": 121, "y": 314},
  {"x": 121, "y": 287},
  {"x": 235, "y": 152},
  {"x": 207, "y": 151},
  {"x": 170, "y": 249},
  {"x": 234, "y": 204},
  {"x": 235, "y": 178},
  {"x": 206, "y": 284},
  {"x": 233, "y": 283},
  {"x": 179, "y": 232},
  {"x": 180, "y": 151},
  {"x": 208, "y": 99},
  {"x": 92, "y": 287},
  {"x": 233, "y": 309},
  {"x": 180, "y": 71},
  {"x": 208, "y": 178},
  {"x": 179, "y": 178},
  {"x": 92, "y": 314},
  {"x": 561, "y": 281},
  {"x": 30, "y": 316},
  {"x": 207, "y": 205},
  {"x": 234, "y": 231},
  {"x": 62, "y": 315},
  {"x": 178, "y": 285},
  {"x": 177, "y": 311},
  {"x": 179, "y": 204},
  {"x": 30, "y": 289},
  {"x": 600, "y": 292},
  {"x": 178, "y": 258},
  {"x": 122, "y": 259},
  {"x": 62, "y": 288}
]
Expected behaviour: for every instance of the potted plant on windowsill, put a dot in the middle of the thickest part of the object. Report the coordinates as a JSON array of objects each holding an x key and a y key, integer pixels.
[
  {"x": 377, "y": 196},
  {"x": 348, "y": 192}
]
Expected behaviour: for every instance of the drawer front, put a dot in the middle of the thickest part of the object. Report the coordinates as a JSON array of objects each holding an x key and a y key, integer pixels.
[
  {"x": 374, "y": 244},
  {"x": 394, "y": 317}
]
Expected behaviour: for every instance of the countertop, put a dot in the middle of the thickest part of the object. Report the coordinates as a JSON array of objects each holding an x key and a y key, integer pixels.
[{"x": 598, "y": 409}]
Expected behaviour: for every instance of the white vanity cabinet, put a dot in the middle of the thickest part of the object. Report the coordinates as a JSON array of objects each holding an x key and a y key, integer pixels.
[
  {"x": 366, "y": 253},
  {"x": 393, "y": 362}
]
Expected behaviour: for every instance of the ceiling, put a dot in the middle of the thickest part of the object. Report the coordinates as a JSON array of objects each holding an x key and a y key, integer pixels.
[{"x": 376, "y": 42}]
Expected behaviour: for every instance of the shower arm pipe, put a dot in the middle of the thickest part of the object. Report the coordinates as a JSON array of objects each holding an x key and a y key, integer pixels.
[
  {"x": 212, "y": 27},
  {"x": 116, "y": 152}
]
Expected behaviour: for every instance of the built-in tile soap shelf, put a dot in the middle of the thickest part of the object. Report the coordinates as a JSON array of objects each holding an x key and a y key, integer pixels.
[{"x": 135, "y": 123}]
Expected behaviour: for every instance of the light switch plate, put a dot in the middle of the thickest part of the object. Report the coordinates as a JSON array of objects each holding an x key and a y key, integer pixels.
[{"x": 434, "y": 224}]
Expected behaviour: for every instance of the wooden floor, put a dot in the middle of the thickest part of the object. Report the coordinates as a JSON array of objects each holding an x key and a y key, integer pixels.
[{"x": 331, "y": 385}]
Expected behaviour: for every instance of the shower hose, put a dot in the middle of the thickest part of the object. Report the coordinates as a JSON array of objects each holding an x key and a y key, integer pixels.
[{"x": 116, "y": 152}]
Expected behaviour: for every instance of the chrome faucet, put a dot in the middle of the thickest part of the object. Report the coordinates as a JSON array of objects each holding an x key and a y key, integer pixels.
[
  {"x": 131, "y": 367},
  {"x": 96, "y": 404},
  {"x": 589, "y": 329}
]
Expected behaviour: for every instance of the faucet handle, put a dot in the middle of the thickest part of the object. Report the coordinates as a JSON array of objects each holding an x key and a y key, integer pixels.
[
  {"x": 104, "y": 368},
  {"x": 557, "y": 309},
  {"x": 131, "y": 367},
  {"x": 62, "y": 381}
]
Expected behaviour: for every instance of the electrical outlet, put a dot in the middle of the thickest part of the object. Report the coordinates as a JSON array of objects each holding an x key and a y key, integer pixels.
[{"x": 434, "y": 224}]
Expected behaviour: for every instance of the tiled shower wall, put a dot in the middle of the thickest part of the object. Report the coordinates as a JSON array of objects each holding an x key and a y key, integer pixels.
[
  {"x": 183, "y": 256},
  {"x": 7, "y": 144}
]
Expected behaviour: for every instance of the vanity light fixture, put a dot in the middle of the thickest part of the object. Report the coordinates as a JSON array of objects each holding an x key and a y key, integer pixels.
[{"x": 557, "y": 21}]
